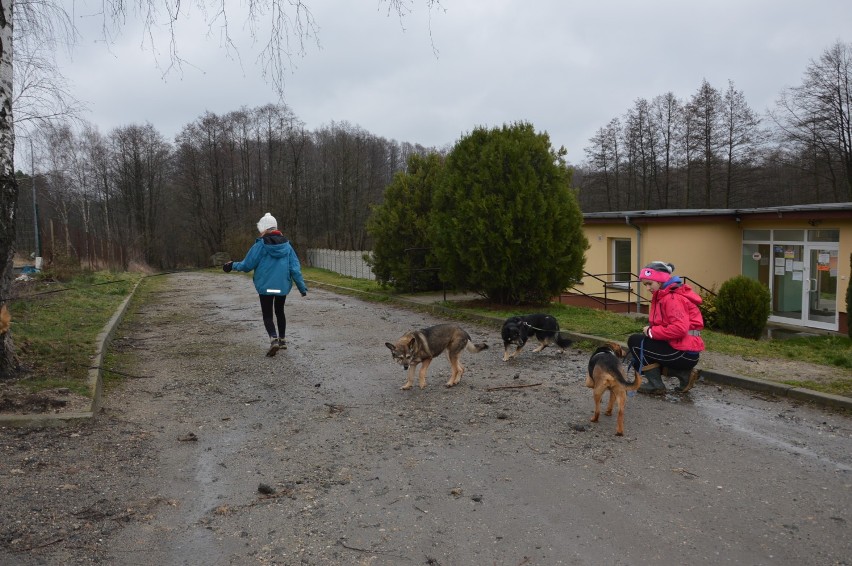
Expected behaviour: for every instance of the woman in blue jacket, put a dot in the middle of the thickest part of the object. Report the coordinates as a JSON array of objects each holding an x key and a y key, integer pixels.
[{"x": 276, "y": 267}]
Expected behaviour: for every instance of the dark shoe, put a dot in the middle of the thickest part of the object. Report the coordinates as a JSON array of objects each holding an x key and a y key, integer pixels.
[
  {"x": 273, "y": 347},
  {"x": 282, "y": 343},
  {"x": 685, "y": 377},
  {"x": 652, "y": 381}
]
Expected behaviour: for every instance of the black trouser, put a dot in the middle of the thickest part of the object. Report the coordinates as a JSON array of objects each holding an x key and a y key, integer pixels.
[
  {"x": 268, "y": 303},
  {"x": 648, "y": 351}
]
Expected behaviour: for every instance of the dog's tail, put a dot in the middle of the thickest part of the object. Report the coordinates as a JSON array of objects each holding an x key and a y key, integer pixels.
[
  {"x": 562, "y": 341},
  {"x": 471, "y": 347},
  {"x": 637, "y": 381}
]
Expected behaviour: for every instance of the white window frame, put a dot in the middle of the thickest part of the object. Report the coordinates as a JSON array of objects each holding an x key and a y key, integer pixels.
[{"x": 615, "y": 257}]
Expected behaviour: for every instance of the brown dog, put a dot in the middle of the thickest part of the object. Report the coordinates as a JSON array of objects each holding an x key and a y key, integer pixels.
[
  {"x": 421, "y": 346},
  {"x": 607, "y": 373}
]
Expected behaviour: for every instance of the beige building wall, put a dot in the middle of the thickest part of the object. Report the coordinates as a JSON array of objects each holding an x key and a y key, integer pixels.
[
  {"x": 844, "y": 278},
  {"x": 600, "y": 260},
  {"x": 707, "y": 250},
  {"x": 599, "y": 255}
]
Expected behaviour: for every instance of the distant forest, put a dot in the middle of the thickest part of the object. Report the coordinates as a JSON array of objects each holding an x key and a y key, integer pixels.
[
  {"x": 714, "y": 151},
  {"x": 130, "y": 195}
]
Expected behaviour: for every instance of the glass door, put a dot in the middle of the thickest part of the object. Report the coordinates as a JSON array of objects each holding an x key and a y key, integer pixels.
[
  {"x": 788, "y": 278},
  {"x": 800, "y": 269},
  {"x": 820, "y": 287}
]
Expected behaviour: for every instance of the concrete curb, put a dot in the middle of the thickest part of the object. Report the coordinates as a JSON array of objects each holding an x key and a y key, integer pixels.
[
  {"x": 95, "y": 379},
  {"x": 733, "y": 380},
  {"x": 777, "y": 389}
]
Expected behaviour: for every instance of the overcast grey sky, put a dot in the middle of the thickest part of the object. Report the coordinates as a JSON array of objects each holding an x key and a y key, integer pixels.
[{"x": 566, "y": 66}]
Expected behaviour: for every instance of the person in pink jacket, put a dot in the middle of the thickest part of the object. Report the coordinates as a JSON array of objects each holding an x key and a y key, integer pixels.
[{"x": 672, "y": 338}]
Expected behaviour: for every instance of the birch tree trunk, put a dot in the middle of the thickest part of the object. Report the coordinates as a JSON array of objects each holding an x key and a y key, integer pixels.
[{"x": 8, "y": 184}]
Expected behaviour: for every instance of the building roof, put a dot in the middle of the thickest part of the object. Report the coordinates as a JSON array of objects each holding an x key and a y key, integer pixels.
[{"x": 808, "y": 211}]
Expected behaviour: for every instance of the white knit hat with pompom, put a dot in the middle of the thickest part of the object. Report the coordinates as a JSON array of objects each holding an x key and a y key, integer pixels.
[{"x": 268, "y": 221}]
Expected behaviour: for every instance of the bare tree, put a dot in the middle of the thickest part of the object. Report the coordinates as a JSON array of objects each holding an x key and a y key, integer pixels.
[
  {"x": 596, "y": 175},
  {"x": 298, "y": 141},
  {"x": 273, "y": 125},
  {"x": 96, "y": 162},
  {"x": 631, "y": 142},
  {"x": 205, "y": 173},
  {"x": 8, "y": 184},
  {"x": 58, "y": 144},
  {"x": 640, "y": 152},
  {"x": 85, "y": 194},
  {"x": 741, "y": 140},
  {"x": 816, "y": 117},
  {"x": 41, "y": 93},
  {"x": 667, "y": 114},
  {"x": 140, "y": 159},
  {"x": 705, "y": 108}
]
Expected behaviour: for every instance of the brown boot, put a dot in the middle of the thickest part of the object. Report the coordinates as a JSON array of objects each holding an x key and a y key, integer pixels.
[
  {"x": 687, "y": 383},
  {"x": 652, "y": 381},
  {"x": 686, "y": 378}
]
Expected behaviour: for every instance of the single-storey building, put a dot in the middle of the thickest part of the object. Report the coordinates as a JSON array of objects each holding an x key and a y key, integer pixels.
[{"x": 802, "y": 253}]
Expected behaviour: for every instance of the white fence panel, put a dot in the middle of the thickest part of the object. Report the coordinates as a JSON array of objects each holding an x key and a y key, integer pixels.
[{"x": 350, "y": 263}]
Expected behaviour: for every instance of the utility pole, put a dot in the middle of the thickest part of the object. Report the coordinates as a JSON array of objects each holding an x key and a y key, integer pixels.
[{"x": 35, "y": 207}]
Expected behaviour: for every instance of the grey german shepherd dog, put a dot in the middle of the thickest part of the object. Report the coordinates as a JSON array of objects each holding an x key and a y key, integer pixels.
[{"x": 421, "y": 346}]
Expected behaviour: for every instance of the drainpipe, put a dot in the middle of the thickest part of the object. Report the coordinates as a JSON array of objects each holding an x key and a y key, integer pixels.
[{"x": 638, "y": 258}]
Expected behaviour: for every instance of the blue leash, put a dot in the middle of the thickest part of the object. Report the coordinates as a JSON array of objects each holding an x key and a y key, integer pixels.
[{"x": 641, "y": 362}]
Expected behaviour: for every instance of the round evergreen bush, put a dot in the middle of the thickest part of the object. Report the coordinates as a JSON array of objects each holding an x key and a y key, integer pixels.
[
  {"x": 401, "y": 256},
  {"x": 742, "y": 306}
]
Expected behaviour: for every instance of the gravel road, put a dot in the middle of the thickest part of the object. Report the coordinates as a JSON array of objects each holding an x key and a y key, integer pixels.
[{"x": 215, "y": 454}]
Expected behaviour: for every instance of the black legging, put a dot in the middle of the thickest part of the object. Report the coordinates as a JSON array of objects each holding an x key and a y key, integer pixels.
[
  {"x": 268, "y": 303},
  {"x": 648, "y": 351}
]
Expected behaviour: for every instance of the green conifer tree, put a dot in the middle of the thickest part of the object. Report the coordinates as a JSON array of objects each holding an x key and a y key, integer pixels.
[
  {"x": 505, "y": 221},
  {"x": 401, "y": 257}
]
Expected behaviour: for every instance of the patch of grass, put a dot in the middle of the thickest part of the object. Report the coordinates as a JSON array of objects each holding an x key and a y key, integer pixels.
[
  {"x": 55, "y": 326},
  {"x": 827, "y": 350},
  {"x": 331, "y": 278},
  {"x": 573, "y": 319}
]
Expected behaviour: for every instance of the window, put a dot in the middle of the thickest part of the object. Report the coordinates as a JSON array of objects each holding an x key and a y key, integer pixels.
[
  {"x": 621, "y": 263},
  {"x": 823, "y": 235},
  {"x": 789, "y": 235},
  {"x": 756, "y": 235}
]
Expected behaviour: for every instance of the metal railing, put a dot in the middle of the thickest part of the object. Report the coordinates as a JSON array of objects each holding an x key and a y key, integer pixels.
[
  {"x": 627, "y": 296},
  {"x": 621, "y": 295}
]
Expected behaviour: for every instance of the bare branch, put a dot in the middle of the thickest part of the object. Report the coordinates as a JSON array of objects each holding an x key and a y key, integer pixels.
[{"x": 41, "y": 92}]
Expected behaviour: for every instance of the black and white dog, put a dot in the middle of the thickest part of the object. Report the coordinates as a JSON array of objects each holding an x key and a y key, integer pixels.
[{"x": 518, "y": 329}]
